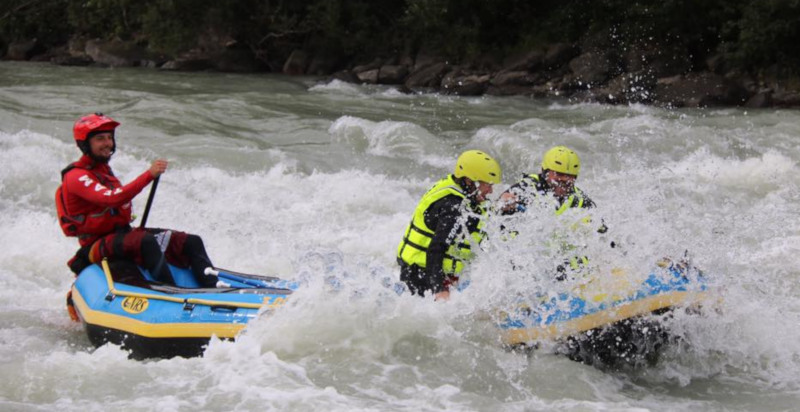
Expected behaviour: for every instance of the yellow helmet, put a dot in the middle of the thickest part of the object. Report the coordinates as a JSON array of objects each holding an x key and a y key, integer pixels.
[
  {"x": 478, "y": 166},
  {"x": 562, "y": 160}
]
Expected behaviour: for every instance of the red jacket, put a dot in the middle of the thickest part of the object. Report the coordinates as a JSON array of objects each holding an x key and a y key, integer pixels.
[{"x": 98, "y": 199}]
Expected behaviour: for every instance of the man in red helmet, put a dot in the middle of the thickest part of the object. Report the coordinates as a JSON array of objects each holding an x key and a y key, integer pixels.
[{"x": 95, "y": 207}]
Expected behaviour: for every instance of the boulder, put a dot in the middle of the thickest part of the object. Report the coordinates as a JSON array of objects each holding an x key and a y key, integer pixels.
[
  {"x": 670, "y": 62},
  {"x": 427, "y": 77},
  {"x": 47, "y": 55},
  {"x": 760, "y": 100},
  {"x": 463, "y": 83},
  {"x": 545, "y": 90},
  {"x": 23, "y": 50},
  {"x": 345, "y": 76},
  {"x": 558, "y": 55},
  {"x": 528, "y": 61},
  {"x": 323, "y": 64},
  {"x": 516, "y": 78},
  {"x": 787, "y": 98},
  {"x": 717, "y": 64},
  {"x": 188, "y": 64},
  {"x": 591, "y": 68},
  {"x": 392, "y": 74},
  {"x": 297, "y": 63},
  {"x": 628, "y": 88},
  {"x": 375, "y": 64},
  {"x": 67, "y": 60},
  {"x": 699, "y": 90},
  {"x": 425, "y": 58},
  {"x": 76, "y": 46},
  {"x": 488, "y": 62},
  {"x": 369, "y": 76},
  {"x": 236, "y": 61},
  {"x": 510, "y": 90},
  {"x": 115, "y": 53}
]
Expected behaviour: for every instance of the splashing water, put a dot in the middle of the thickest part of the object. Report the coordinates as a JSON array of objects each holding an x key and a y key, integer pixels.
[{"x": 316, "y": 181}]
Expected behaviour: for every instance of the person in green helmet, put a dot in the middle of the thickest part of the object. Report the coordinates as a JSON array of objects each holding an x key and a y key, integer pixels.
[
  {"x": 446, "y": 224},
  {"x": 556, "y": 181}
]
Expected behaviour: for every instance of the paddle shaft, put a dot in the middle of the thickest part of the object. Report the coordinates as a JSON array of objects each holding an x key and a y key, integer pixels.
[{"x": 149, "y": 201}]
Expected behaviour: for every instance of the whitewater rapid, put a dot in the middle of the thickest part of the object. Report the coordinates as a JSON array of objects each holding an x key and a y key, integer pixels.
[{"x": 304, "y": 178}]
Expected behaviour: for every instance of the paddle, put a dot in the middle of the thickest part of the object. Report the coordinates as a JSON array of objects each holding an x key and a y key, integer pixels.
[
  {"x": 253, "y": 280},
  {"x": 149, "y": 201}
]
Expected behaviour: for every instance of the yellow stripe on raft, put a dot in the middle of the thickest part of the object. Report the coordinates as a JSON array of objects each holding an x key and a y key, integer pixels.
[
  {"x": 153, "y": 330},
  {"x": 602, "y": 318}
]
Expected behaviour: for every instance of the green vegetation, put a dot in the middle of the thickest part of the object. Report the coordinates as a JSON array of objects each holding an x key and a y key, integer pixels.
[{"x": 750, "y": 35}]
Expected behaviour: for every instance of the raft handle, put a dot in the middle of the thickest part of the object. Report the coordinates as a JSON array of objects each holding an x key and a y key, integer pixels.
[
  {"x": 188, "y": 306},
  {"x": 222, "y": 308}
]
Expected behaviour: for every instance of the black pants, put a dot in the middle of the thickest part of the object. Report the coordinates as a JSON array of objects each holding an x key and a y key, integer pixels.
[
  {"x": 144, "y": 248},
  {"x": 416, "y": 278}
]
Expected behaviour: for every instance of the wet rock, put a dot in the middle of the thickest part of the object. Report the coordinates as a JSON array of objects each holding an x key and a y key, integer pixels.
[
  {"x": 716, "y": 64},
  {"x": 373, "y": 65},
  {"x": 427, "y": 77},
  {"x": 510, "y": 90},
  {"x": 591, "y": 68},
  {"x": 786, "y": 98},
  {"x": 369, "y": 76},
  {"x": 558, "y": 55},
  {"x": 188, "y": 64},
  {"x": 323, "y": 63},
  {"x": 513, "y": 83},
  {"x": 699, "y": 90},
  {"x": 297, "y": 63},
  {"x": 345, "y": 76},
  {"x": 392, "y": 74},
  {"x": 627, "y": 88},
  {"x": 488, "y": 62},
  {"x": 23, "y": 50},
  {"x": 115, "y": 53},
  {"x": 517, "y": 78},
  {"x": 463, "y": 83},
  {"x": 528, "y": 61},
  {"x": 76, "y": 46},
  {"x": 67, "y": 60},
  {"x": 545, "y": 90},
  {"x": 236, "y": 61},
  {"x": 760, "y": 100},
  {"x": 425, "y": 58}
]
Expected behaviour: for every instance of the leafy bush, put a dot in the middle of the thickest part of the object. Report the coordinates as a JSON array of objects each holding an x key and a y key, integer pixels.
[{"x": 750, "y": 34}]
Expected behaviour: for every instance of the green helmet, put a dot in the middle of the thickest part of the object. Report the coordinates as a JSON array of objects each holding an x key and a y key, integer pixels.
[
  {"x": 478, "y": 166},
  {"x": 562, "y": 160}
]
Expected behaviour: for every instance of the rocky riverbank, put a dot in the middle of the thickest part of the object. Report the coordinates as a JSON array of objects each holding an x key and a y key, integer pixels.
[{"x": 588, "y": 71}]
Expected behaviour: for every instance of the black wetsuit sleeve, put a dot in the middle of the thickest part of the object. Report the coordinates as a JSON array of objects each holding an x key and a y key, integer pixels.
[
  {"x": 588, "y": 203},
  {"x": 523, "y": 191},
  {"x": 442, "y": 217}
]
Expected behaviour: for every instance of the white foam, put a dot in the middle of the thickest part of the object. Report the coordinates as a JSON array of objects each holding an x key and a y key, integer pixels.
[{"x": 320, "y": 185}]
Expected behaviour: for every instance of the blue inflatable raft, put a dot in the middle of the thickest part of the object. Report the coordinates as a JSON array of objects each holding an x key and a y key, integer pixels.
[
  {"x": 156, "y": 320},
  {"x": 607, "y": 320}
]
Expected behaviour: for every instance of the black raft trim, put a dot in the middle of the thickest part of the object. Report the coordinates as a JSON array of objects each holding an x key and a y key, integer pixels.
[{"x": 141, "y": 347}]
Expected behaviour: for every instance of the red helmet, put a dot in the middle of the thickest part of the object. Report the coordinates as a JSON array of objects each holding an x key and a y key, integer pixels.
[{"x": 89, "y": 124}]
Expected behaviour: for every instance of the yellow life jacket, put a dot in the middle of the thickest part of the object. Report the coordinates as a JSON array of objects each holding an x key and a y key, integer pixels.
[
  {"x": 576, "y": 196},
  {"x": 576, "y": 199},
  {"x": 413, "y": 249}
]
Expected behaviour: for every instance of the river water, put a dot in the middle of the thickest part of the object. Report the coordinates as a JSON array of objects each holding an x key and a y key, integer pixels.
[{"x": 311, "y": 180}]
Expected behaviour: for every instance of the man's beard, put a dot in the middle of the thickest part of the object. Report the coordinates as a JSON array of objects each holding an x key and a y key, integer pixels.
[{"x": 101, "y": 159}]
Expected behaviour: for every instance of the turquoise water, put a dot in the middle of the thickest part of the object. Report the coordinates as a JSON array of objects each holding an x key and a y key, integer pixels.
[{"x": 302, "y": 178}]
